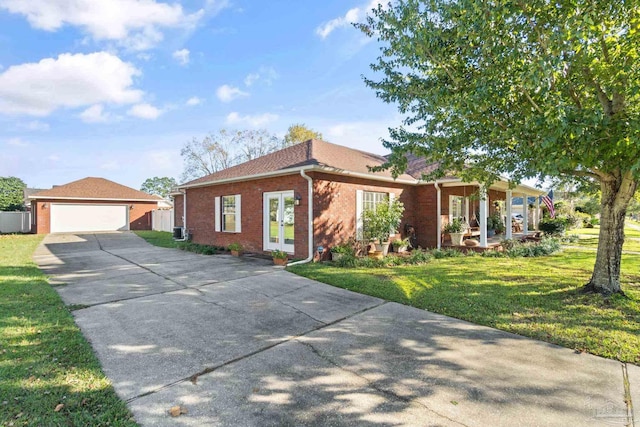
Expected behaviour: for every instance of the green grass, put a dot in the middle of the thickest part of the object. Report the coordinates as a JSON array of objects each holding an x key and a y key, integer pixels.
[
  {"x": 534, "y": 297},
  {"x": 163, "y": 239},
  {"x": 44, "y": 359},
  {"x": 589, "y": 238}
]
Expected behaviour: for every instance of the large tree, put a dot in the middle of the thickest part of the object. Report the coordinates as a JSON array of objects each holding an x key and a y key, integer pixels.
[
  {"x": 11, "y": 193},
  {"x": 299, "y": 132},
  {"x": 160, "y": 186},
  {"x": 525, "y": 88},
  {"x": 225, "y": 148}
]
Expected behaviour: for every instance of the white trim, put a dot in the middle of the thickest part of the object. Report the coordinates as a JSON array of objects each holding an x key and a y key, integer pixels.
[
  {"x": 238, "y": 213},
  {"x": 218, "y": 213},
  {"x": 525, "y": 213},
  {"x": 266, "y": 223},
  {"x": 439, "y": 214},
  {"x": 484, "y": 213},
  {"x": 310, "y": 219},
  {"x": 92, "y": 198},
  {"x": 509, "y": 202},
  {"x": 359, "y": 221}
]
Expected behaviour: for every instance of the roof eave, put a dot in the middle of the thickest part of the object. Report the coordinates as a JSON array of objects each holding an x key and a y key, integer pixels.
[
  {"x": 92, "y": 198},
  {"x": 291, "y": 171}
]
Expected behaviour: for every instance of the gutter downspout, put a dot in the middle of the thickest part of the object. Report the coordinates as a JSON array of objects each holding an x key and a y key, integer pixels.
[
  {"x": 439, "y": 217},
  {"x": 310, "y": 212}
]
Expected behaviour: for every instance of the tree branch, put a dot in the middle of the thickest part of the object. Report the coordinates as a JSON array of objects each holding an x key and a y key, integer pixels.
[
  {"x": 531, "y": 101},
  {"x": 602, "y": 96}
]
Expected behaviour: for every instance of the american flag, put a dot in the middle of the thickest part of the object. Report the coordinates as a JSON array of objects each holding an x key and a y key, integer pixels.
[{"x": 548, "y": 202}]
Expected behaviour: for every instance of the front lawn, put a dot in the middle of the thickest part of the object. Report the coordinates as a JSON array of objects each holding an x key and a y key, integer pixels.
[
  {"x": 589, "y": 238},
  {"x": 534, "y": 297},
  {"x": 49, "y": 375},
  {"x": 163, "y": 239}
]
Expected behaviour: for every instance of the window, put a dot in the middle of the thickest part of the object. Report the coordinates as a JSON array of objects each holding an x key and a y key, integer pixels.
[
  {"x": 368, "y": 200},
  {"x": 227, "y": 214},
  {"x": 456, "y": 207}
]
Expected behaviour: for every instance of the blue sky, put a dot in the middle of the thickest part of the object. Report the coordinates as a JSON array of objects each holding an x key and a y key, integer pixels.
[{"x": 115, "y": 88}]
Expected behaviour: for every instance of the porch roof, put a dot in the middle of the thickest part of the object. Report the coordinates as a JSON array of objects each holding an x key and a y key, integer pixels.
[{"x": 502, "y": 185}]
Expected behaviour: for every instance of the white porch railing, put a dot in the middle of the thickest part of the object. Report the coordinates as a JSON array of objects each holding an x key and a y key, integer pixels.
[
  {"x": 15, "y": 222},
  {"x": 162, "y": 220}
]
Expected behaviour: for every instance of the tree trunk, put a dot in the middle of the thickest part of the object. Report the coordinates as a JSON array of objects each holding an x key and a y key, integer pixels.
[{"x": 616, "y": 195}]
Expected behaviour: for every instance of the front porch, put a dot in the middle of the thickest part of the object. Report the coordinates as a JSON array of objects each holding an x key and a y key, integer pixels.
[
  {"x": 479, "y": 208},
  {"x": 493, "y": 243}
]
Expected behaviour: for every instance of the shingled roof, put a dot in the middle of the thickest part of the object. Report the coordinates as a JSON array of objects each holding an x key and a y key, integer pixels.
[
  {"x": 312, "y": 153},
  {"x": 92, "y": 188}
]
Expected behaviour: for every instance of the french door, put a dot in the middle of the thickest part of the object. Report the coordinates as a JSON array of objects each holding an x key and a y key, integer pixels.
[{"x": 279, "y": 224}]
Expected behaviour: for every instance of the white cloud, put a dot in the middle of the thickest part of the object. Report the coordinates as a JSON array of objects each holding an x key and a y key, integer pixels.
[
  {"x": 357, "y": 14},
  {"x": 145, "y": 111},
  {"x": 54, "y": 158},
  {"x": 68, "y": 81},
  {"x": 193, "y": 101},
  {"x": 257, "y": 120},
  {"x": 95, "y": 114},
  {"x": 136, "y": 24},
  {"x": 35, "y": 125},
  {"x": 182, "y": 56},
  {"x": 226, "y": 93},
  {"x": 265, "y": 74},
  {"x": 17, "y": 142}
]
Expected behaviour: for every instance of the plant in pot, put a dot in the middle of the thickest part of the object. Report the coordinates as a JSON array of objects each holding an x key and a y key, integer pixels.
[
  {"x": 494, "y": 225},
  {"x": 338, "y": 251},
  {"x": 382, "y": 222},
  {"x": 235, "y": 248},
  {"x": 400, "y": 245},
  {"x": 456, "y": 229},
  {"x": 279, "y": 257}
]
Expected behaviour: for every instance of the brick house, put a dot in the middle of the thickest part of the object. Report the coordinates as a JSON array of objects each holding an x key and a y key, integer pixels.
[
  {"x": 91, "y": 204},
  {"x": 312, "y": 194}
]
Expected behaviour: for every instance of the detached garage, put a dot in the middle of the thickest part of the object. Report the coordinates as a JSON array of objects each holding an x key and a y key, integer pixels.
[{"x": 91, "y": 204}]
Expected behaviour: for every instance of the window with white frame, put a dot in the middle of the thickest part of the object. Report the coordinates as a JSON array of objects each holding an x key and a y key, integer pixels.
[
  {"x": 457, "y": 208},
  {"x": 368, "y": 200},
  {"x": 228, "y": 214}
]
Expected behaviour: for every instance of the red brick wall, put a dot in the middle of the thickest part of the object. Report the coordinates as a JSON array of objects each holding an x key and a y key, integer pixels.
[
  {"x": 178, "y": 210},
  {"x": 426, "y": 221},
  {"x": 139, "y": 216},
  {"x": 201, "y": 212},
  {"x": 335, "y": 206}
]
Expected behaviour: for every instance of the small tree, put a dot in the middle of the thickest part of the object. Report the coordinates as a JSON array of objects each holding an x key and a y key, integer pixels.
[
  {"x": 159, "y": 186},
  {"x": 12, "y": 194},
  {"x": 300, "y": 133},
  {"x": 382, "y": 221}
]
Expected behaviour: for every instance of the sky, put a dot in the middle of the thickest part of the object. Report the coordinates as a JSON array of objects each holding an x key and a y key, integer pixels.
[{"x": 115, "y": 88}]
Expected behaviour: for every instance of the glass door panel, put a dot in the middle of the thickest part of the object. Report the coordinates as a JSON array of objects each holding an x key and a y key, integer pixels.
[{"x": 279, "y": 221}]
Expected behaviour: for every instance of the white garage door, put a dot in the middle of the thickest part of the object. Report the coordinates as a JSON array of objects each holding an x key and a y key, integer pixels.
[{"x": 69, "y": 218}]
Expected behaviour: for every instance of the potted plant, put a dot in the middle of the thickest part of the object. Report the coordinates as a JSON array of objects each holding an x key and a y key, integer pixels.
[
  {"x": 400, "y": 245},
  {"x": 236, "y": 249},
  {"x": 338, "y": 251},
  {"x": 380, "y": 223},
  {"x": 456, "y": 229},
  {"x": 494, "y": 223},
  {"x": 279, "y": 257}
]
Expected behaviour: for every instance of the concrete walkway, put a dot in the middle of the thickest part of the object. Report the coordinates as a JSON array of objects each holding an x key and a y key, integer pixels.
[{"x": 238, "y": 342}]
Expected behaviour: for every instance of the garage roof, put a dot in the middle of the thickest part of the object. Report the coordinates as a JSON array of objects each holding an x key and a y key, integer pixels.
[{"x": 92, "y": 188}]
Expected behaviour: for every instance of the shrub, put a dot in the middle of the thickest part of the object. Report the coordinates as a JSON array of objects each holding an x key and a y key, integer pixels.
[
  {"x": 446, "y": 253},
  {"x": 571, "y": 238},
  {"x": 418, "y": 256},
  {"x": 546, "y": 246},
  {"x": 552, "y": 227},
  {"x": 345, "y": 248},
  {"x": 235, "y": 247},
  {"x": 582, "y": 219},
  {"x": 455, "y": 226}
]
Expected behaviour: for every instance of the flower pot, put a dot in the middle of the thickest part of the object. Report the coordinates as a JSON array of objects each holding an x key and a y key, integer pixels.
[
  {"x": 383, "y": 247},
  {"x": 376, "y": 255},
  {"x": 280, "y": 261},
  {"x": 491, "y": 233},
  {"x": 401, "y": 249},
  {"x": 236, "y": 253},
  {"x": 456, "y": 238}
]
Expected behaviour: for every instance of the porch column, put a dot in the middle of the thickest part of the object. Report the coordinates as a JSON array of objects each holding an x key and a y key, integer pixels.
[
  {"x": 525, "y": 214},
  {"x": 537, "y": 219},
  {"x": 484, "y": 210},
  {"x": 509, "y": 230}
]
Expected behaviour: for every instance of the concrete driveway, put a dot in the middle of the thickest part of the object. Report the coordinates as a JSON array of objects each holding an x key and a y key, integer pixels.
[{"x": 239, "y": 342}]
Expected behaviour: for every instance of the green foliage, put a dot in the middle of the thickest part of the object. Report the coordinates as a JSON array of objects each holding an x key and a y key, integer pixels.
[
  {"x": 163, "y": 239},
  {"x": 235, "y": 246},
  {"x": 160, "y": 186},
  {"x": 446, "y": 253},
  {"x": 552, "y": 227},
  {"x": 11, "y": 194},
  {"x": 300, "y": 133},
  {"x": 455, "y": 226},
  {"x": 278, "y": 254},
  {"x": 384, "y": 220},
  {"x": 44, "y": 358},
  {"x": 345, "y": 248},
  {"x": 534, "y": 249},
  {"x": 199, "y": 248}
]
